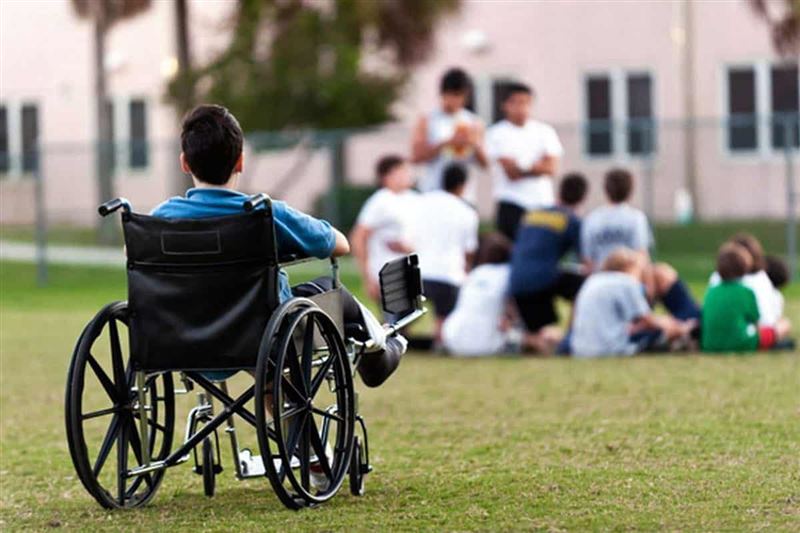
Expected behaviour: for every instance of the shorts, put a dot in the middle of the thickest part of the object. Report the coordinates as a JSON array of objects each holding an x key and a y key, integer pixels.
[
  {"x": 507, "y": 218},
  {"x": 442, "y": 294},
  {"x": 538, "y": 309},
  {"x": 766, "y": 337}
]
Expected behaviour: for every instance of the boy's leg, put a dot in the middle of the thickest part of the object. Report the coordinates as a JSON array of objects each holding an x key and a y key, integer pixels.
[
  {"x": 378, "y": 364},
  {"x": 673, "y": 293},
  {"x": 507, "y": 219},
  {"x": 444, "y": 296}
]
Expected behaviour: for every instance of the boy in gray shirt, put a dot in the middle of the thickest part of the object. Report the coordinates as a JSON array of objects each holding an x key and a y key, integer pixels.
[
  {"x": 618, "y": 224},
  {"x": 612, "y": 316}
]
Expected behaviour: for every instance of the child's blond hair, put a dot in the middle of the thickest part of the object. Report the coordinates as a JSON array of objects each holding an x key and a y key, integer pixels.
[{"x": 621, "y": 260}]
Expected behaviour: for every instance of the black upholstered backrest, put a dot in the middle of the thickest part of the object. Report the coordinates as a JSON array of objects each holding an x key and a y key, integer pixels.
[{"x": 200, "y": 291}]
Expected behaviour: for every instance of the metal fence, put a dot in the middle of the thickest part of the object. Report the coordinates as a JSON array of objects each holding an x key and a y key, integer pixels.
[{"x": 710, "y": 169}]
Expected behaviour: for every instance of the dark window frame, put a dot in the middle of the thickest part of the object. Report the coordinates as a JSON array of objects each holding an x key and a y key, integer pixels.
[
  {"x": 599, "y": 118},
  {"x": 138, "y": 147}
]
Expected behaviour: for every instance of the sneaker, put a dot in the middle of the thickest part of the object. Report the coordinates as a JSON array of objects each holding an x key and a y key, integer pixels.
[
  {"x": 396, "y": 345},
  {"x": 319, "y": 480}
]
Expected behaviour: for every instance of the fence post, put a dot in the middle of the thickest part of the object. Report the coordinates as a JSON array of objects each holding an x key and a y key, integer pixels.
[
  {"x": 338, "y": 161},
  {"x": 41, "y": 219},
  {"x": 791, "y": 195}
]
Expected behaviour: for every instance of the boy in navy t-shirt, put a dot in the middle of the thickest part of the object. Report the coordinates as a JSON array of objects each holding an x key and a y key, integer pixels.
[
  {"x": 544, "y": 237},
  {"x": 211, "y": 152}
]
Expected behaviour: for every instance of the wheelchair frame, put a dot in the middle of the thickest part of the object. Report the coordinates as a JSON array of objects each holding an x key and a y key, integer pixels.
[{"x": 202, "y": 421}]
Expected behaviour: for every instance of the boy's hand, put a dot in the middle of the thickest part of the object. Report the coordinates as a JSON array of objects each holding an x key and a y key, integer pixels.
[{"x": 399, "y": 247}]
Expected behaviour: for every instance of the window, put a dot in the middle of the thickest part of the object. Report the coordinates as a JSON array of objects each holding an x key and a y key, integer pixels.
[
  {"x": 499, "y": 92},
  {"x": 742, "y": 117},
  {"x": 112, "y": 146},
  {"x": 5, "y": 159},
  {"x": 785, "y": 105},
  {"x": 30, "y": 137},
  {"x": 641, "y": 128},
  {"x": 599, "y": 131},
  {"x": 138, "y": 149}
]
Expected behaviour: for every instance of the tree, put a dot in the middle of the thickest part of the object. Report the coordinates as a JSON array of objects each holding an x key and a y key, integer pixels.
[
  {"x": 103, "y": 15},
  {"x": 293, "y": 63},
  {"x": 783, "y": 19}
]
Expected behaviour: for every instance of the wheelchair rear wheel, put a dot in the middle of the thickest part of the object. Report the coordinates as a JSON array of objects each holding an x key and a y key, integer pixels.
[
  {"x": 305, "y": 410},
  {"x": 101, "y": 414}
]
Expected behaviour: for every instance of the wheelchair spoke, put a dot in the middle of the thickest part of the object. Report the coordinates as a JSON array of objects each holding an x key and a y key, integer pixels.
[
  {"x": 105, "y": 447},
  {"x": 136, "y": 445},
  {"x": 101, "y": 412},
  {"x": 291, "y": 445},
  {"x": 152, "y": 423},
  {"x": 319, "y": 448},
  {"x": 292, "y": 391},
  {"x": 316, "y": 383},
  {"x": 305, "y": 460},
  {"x": 308, "y": 352},
  {"x": 327, "y": 414},
  {"x": 294, "y": 369},
  {"x": 122, "y": 461},
  {"x": 293, "y": 412},
  {"x": 105, "y": 381},
  {"x": 116, "y": 357}
]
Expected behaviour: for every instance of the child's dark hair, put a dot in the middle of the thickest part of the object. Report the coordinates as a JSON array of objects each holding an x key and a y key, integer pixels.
[
  {"x": 494, "y": 248},
  {"x": 386, "y": 164},
  {"x": 573, "y": 189},
  {"x": 516, "y": 87},
  {"x": 211, "y": 141},
  {"x": 618, "y": 185},
  {"x": 733, "y": 261},
  {"x": 777, "y": 270},
  {"x": 455, "y": 80},
  {"x": 454, "y": 176},
  {"x": 752, "y": 245}
]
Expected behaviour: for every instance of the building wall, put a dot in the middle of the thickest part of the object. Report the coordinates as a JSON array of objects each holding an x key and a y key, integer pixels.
[{"x": 552, "y": 45}]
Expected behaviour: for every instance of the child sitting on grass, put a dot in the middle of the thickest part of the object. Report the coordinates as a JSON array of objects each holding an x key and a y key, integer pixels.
[
  {"x": 612, "y": 316},
  {"x": 730, "y": 310}
]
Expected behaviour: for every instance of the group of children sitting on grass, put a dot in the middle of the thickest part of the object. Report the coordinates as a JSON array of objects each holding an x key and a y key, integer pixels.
[{"x": 507, "y": 301}]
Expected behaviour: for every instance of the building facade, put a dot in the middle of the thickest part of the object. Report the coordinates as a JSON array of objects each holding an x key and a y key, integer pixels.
[{"x": 688, "y": 94}]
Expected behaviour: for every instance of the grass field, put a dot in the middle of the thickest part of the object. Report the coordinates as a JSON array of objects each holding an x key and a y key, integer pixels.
[{"x": 678, "y": 443}]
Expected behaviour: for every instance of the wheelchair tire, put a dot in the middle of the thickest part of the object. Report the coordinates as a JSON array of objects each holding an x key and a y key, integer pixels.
[
  {"x": 209, "y": 475},
  {"x": 305, "y": 415},
  {"x": 357, "y": 476},
  {"x": 107, "y": 384}
]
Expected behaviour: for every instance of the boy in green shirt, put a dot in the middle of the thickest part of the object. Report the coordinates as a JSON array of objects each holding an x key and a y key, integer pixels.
[{"x": 730, "y": 312}]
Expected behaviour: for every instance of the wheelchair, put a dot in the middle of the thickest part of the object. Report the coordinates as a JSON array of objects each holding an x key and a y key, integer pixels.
[{"x": 203, "y": 299}]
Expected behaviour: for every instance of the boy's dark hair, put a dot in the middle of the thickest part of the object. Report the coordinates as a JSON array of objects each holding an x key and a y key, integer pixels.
[
  {"x": 777, "y": 270},
  {"x": 732, "y": 261},
  {"x": 516, "y": 87},
  {"x": 454, "y": 176},
  {"x": 573, "y": 189},
  {"x": 618, "y": 185},
  {"x": 211, "y": 141},
  {"x": 386, "y": 164},
  {"x": 455, "y": 80},
  {"x": 753, "y": 246},
  {"x": 494, "y": 248}
]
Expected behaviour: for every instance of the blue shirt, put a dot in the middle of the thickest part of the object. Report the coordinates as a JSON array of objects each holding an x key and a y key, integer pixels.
[
  {"x": 543, "y": 238},
  {"x": 295, "y": 232}
]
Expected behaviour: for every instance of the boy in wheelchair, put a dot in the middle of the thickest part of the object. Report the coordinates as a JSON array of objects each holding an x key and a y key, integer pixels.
[{"x": 211, "y": 152}]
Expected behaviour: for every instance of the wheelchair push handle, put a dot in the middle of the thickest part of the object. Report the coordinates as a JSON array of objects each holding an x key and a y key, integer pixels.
[
  {"x": 254, "y": 201},
  {"x": 112, "y": 205}
]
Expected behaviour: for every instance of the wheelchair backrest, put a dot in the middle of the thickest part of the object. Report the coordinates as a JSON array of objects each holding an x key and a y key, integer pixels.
[{"x": 200, "y": 291}]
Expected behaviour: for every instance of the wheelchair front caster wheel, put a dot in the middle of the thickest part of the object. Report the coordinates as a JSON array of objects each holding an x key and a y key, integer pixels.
[
  {"x": 357, "y": 470},
  {"x": 209, "y": 474}
]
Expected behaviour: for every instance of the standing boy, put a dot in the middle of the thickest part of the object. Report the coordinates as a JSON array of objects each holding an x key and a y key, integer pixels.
[
  {"x": 451, "y": 133},
  {"x": 383, "y": 229},
  {"x": 446, "y": 237},
  {"x": 524, "y": 154}
]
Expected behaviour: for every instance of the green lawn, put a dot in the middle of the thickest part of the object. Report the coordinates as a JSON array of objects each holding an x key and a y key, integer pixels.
[{"x": 678, "y": 443}]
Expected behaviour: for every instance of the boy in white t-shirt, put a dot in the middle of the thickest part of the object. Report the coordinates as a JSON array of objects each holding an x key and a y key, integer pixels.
[
  {"x": 383, "y": 229},
  {"x": 451, "y": 133},
  {"x": 524, "y": 156},
  {"x": 445, "y": 237}
]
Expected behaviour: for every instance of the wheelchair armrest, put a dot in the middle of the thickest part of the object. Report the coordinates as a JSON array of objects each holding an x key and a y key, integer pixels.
[{"x": 401, "y": 286}]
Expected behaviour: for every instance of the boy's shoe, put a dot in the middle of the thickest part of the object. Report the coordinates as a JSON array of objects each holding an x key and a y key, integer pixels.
[
  {"x": 318, "y": 479},
  {"x": 396, "y": 345}
]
